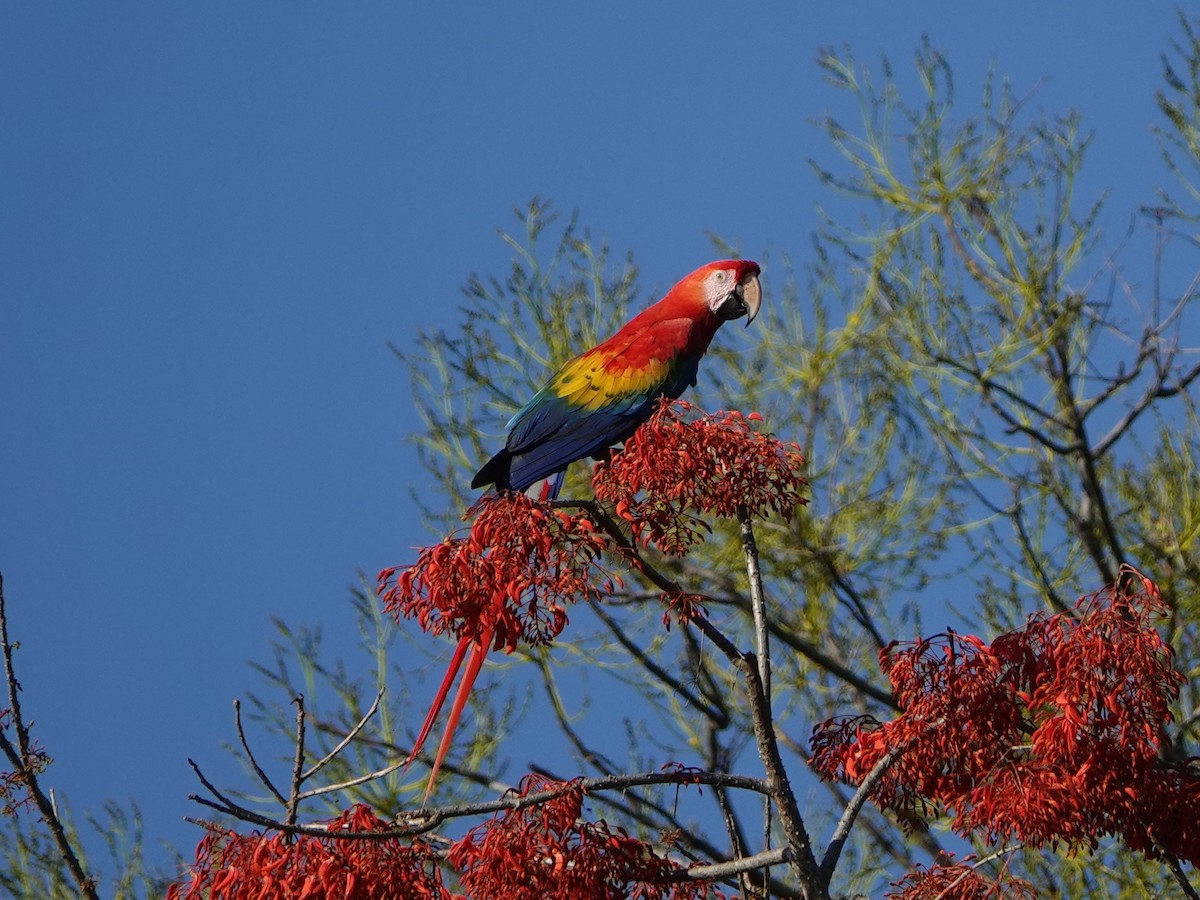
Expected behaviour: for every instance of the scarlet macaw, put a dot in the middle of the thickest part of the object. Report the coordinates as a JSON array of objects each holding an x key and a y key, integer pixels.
[{"x": 597, "y": 400}]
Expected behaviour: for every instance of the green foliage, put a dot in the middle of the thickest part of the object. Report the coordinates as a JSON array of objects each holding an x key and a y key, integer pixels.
[
  {"x": 31, "y": 866},
  {"x": 995, "y": 419},
  {"x": 1177, "y": 101}
]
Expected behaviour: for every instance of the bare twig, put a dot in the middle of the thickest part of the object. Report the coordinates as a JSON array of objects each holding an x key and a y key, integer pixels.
[
  {"x": 226, "y": 805},
  {"x": 345, "y": 742},
  {"x": 594, "y": 757},
  {"x": 489, "y": 782},
  {"x": 842, "y": 831},
  {"x": 293, "y": 807},
  {"x": 427, "y": 819},
  {"x": 640, "y": 564},
  {"x": 673, "y": 684},
  {"x": 23, "y": 759},
  {"x": 757, "y": 603},
  {"x": 353, "y": 782},
  {"x": 1182, "y": 879},
  {"x": 900, "y": 851},
  {"x": 262, "y": 776},
  {"x": 737, "y": 842},
  {"x": 761, "y": 860}
]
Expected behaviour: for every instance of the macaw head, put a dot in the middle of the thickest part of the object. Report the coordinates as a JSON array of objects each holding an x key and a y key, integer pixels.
[{"x": 729, "y": 288}]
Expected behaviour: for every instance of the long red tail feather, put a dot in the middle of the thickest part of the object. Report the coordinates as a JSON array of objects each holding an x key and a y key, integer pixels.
[
  {"x": 478, "y": 654},
  {"x": 448, "y": 679},
  {"x": 479, "y": 647}
]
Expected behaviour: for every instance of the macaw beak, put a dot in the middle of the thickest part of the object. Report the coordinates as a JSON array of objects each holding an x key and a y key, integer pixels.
[
  {"x": 744, "y": 300},
  {"x": 749, "y": 295}
]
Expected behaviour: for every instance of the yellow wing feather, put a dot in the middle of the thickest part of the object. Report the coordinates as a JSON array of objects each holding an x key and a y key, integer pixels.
[{"x": 597, "y": 379}]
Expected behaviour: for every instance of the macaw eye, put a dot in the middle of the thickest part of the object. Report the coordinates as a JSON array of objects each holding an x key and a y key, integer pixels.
[{"x": 720, "y": 276}]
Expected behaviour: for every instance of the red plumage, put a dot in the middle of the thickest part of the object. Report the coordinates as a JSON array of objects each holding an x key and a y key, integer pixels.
[
  {"x": 594, "y": 401},
  {"x": 599, "y": 398}
]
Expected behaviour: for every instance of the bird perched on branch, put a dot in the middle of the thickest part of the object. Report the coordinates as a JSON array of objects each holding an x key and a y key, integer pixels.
[
  {"x": 595, "y": 401},
  {"x": 599, "y": 398}
]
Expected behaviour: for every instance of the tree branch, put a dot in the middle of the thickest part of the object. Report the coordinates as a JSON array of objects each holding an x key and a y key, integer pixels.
[
  {"x": 258, "y": 771},
  {"x": 426, "y": 820},
  {"x": 838, "y": 841},
  {"x": 757, "y": 604},
  {"x": 293, "y": 806},
  {"x": 800, "y": 846},
  {"x": 22, "y": 758}
]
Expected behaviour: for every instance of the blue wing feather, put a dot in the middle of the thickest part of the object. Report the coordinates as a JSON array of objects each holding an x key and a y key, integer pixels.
[
  {"x": 553, "y": 435},
  {"x": 551, "y": 431}
]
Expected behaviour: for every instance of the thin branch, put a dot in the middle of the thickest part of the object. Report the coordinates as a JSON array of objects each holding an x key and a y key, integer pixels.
[
  {"x": 674, "y": 685},
  {"x": 226, "y": 805},
  {"x": 350, "y": 735},
  {"x": 842, "y": 831},
  {"x": 1181, "y": 878},
  {"x": 757, "y": 604},
  {"x": 1176, "y": 871},
  {"x": 852, "y": 596},
  {"x": 761, "y": 860},
  {"x": 293, "y": 807},
  {"x": 825, "y": 661},
  {"x": 10, "y": 677},
  {"x": 902, "y": 853},
  {"x": 352, "y": 782},
  {"x": 990, "y": 386},
  {"x": 718, "y": 758},
  {"x": 803, "y": 861},
  {"x": 21, "y": 758},
  {"x": 427, "y": 819},
  {"x": 262, "y": 776},
  {"x": 1157, "y": 391},
  {"x": 473, "y": 775},
  {"x": 1032, "y": 557},
  {"x": 751, "y": 886},
  {"x": 1012, "y": 423},
  {"x": 733, "y": 828},
  {"x": 653, "y": 575},
  {"x": 593, "y": 757}
]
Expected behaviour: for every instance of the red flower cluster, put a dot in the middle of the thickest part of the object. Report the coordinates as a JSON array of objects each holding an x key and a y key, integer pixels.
[
  {"x": 1052, "y": 734},
  {"x": 547, "y": 851},
  {"x": 671, "y": 470},
  {"x": 959, "y": 882},
  {"x": 510, "y": 577},
  {"x": 239, "y": 867},
  {"x": 681, "y": 606}
]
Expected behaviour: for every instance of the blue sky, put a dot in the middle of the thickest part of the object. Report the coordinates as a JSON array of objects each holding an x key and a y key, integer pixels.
[{"x": 214, "y": 217}]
